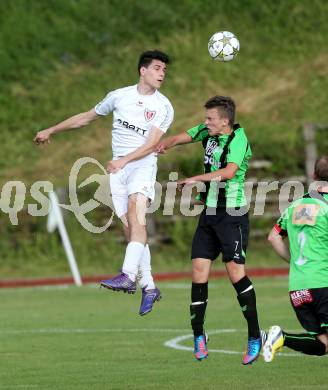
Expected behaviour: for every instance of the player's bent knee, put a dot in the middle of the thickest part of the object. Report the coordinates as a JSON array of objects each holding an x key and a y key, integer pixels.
[
  {"x": 200, "y": 270},
  {"x": 324, "y": 339},
  {"x": 138, "y": 203},
  {"x": 235, "y": 271},
  {"x": 138, "y": 198}
]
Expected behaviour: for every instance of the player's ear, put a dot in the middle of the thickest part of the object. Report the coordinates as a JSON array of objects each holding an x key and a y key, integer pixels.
[{"x": 143, "y": 70}]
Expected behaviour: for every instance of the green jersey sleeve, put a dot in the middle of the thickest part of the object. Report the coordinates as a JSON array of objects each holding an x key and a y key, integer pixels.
[
  {"x": 281, "y": 225},
  {"x": 238, "y": 148},
  {"x": 198, "y": 133}
]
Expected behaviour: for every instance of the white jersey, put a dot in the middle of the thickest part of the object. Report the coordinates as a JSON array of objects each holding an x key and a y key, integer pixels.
[{"x": 133, "y": 117}]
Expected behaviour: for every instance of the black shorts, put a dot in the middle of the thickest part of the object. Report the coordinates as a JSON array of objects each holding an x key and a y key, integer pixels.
[
  {"x": 221, "y": 232},
  {"x": 311, "y": 308}
]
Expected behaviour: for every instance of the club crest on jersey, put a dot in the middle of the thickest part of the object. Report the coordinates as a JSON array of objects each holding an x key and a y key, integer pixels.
[{"x": 149, "y": 115}]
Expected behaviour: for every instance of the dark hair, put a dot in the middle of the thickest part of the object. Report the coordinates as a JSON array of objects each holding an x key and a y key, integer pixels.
[
  {"x": 225, "y": 105},
  {"x": 148, "y": 56},
  {"x": 321, "y": 168}
]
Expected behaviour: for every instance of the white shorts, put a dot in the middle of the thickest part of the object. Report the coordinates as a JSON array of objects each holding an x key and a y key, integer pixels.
[{"x": 136, "y": 177}]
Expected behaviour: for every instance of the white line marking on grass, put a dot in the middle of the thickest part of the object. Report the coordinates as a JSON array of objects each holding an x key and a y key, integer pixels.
[
  {"x": 26, "y": 289},
  {"x": 18, "y": 386},
  {"x": 216, "y": 285},
  {"x": 86, "y": 330},
  {"x": 175, "y": 344}
]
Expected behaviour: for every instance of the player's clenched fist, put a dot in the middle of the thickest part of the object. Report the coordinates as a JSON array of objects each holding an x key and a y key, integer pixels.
[
  {"x": 114, "y": 166},
  {"x": 42, "y": 137},
  {"x": 161, "y": 148}
]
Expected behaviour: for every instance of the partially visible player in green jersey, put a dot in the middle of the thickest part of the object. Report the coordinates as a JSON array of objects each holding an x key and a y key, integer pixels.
[
  {"x": 223, "y": 224},
  {"x": 305, "y": 223}
]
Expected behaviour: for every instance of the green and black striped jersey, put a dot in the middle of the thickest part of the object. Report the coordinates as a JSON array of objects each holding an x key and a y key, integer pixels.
[{"x": 219, "y": 151}]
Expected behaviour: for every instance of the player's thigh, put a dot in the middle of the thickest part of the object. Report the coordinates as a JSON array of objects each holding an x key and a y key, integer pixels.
[
  {"x": 320, "y": 303},
  {"x": 137, "y": 207},
  {"x": 233, "y": 231},
  {"x": 303, "y": 304},
  {"x": 205, "y": 244},
  {"x": 142, "y": 179},
  {"x": 119, "y": 193}
]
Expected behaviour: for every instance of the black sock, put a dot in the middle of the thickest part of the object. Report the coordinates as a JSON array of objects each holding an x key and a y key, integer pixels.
[
  {"x": 305, "y": 343},
  {"x": 199, "y": 295},
  {"x": 247, "y": 302}
]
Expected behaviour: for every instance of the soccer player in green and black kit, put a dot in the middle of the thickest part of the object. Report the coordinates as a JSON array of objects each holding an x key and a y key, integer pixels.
[
  {"x": 223, "y": 224},
  {"x": 305, "y": 222}
]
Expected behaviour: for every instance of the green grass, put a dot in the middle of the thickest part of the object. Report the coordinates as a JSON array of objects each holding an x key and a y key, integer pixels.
[{"x": 86, "y": 338}]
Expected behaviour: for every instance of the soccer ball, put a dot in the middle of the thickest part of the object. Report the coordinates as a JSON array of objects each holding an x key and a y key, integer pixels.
[{"x": 223, "y": 46}]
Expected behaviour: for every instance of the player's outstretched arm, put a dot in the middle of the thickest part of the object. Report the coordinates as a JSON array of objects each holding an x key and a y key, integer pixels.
[
  {"x": 219, "y": 175},
  {"x": 169, "y": 142},
  {"x": 279, "y": 245},
  {"x": 74, "y": 122}
]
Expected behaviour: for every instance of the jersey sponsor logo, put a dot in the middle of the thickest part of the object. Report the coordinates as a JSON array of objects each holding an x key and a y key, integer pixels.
[
  {"x": 210, "y": 146},
  {"x": 139, "y": 104},
  {"x": 212, "y": 153},
  {"x": 149, "y": 115},
  {"x": 127, "y": 125},
  {"x": 210, "y": 160},
  {"x": 300, "y": 297},
  {"x": 305, "y": 214}
]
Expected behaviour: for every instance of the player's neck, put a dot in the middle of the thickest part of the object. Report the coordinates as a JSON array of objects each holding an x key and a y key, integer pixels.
[
  {"x": 226, "y": 131},
  {"x": 145, "y": 89}
]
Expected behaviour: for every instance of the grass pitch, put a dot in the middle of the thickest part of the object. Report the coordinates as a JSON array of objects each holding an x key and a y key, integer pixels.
[{"x": 86, "y": 338}]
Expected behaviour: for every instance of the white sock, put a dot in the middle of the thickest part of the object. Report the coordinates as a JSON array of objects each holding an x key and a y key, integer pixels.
[
  {"x": 145, "y": 270},
  {"x": 132, "y": 258}
]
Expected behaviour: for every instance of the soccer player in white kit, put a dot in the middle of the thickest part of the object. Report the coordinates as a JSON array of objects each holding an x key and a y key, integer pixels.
[{"x": 141, "y": 116}]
